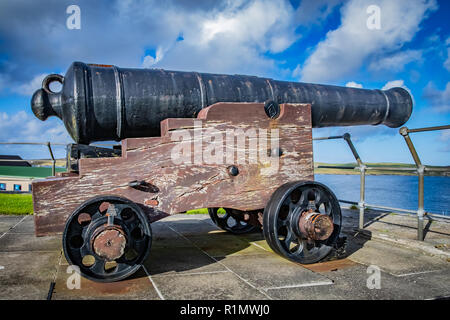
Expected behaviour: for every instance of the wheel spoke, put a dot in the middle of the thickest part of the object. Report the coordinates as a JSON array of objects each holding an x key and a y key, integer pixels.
[
  {"x": 98, "y": 267},
  {"x": 304, "y": 199},
  {"x": 122, "y": 266},
  {"x": 231, "y": 222},
  {"x": 139, "y": 245},
  {"x": 281, "y": 222},
  {"x": 299, "y": 247},
  {"x": 289, "y": 238},
  {"x": 85, "y": 249}
]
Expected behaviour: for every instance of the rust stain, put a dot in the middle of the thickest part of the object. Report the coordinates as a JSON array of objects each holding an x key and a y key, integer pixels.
[
  {"x": 329, "y": 266},
  {"x": 110, "y": 243},
  {"x": 103, "y": 207},
  {"x": 151, "y": 202}
]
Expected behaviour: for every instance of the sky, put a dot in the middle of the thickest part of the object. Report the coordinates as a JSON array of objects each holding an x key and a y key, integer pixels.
[{"x": 405, "y": 43}]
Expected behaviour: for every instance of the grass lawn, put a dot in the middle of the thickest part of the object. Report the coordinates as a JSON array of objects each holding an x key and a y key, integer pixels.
[
  {"x": 15, "y": 204},
  {"x": 23, "y": 204},
  {"x": 197, "y": 211}
]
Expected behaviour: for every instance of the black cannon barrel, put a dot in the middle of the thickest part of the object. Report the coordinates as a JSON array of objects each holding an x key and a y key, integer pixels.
[{"x": 103, "y": 102}]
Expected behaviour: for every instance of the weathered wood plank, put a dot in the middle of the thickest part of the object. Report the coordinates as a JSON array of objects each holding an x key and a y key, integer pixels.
[{"x": 195, "y": 183}]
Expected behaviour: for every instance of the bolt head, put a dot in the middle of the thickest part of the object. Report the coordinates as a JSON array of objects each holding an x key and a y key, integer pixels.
[{"x": 233, "y": 171}]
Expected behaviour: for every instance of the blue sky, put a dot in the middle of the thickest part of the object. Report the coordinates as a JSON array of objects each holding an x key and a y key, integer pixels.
[{"x": 322, "y": 41}]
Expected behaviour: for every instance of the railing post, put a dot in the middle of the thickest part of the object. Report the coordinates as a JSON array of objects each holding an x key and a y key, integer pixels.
[
  {"x": 420, "y": 209},
  {"x": 362, "y": 185},
  {"x": 404, "y": 131},
  {"x": 53, "y": 159},
  {"x": 362, "y": 191}
]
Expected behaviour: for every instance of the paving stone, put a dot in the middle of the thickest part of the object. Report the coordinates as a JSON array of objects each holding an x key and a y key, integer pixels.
[
  {"x": 29, "y": 242},
  {"x": 176, "y": 260},
  {"x": 165, "y": 237},
  {"x": 392, "y": 259},
  {"x": 137, "y": 287},
  {"x": 189, "y": 227},
  {"x": 224, "y": 244},
  {"x": 27, "y": 275},
  {"x": 211, "y": 286},
  {"x": 25, "y": 226},
  {"x": 351, "y": 284},
  {"x": 270, "y": 270},
  {"x": 7, "y": 222}
]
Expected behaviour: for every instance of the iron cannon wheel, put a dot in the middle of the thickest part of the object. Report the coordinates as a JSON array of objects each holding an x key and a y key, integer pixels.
[
  {"x": 107, "y": 238},
  {"x": 281, "y": 218},
  {"x": 226, "y": 220}
]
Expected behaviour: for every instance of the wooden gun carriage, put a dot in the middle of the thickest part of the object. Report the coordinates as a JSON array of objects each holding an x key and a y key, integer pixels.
[{"x": 249, "y": 163}]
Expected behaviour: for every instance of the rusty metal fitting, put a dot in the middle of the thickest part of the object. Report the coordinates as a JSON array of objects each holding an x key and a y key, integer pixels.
[
  {"x": 109, "y": 242},
  {"x": 316, "y": 226},
  {"x": 404, "y": 131}
]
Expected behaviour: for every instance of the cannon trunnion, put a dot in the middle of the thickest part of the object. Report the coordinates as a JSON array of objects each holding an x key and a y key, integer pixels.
[{"x": 240, "y": 146}]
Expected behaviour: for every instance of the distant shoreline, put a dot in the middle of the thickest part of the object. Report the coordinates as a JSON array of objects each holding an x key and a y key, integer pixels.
[{"x": 374, "y": 172}]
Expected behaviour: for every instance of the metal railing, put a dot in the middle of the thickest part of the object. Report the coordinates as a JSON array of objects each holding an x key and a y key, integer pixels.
[
  {"x": 49, "y": 147},
  {"x": 419, "y": 169}
]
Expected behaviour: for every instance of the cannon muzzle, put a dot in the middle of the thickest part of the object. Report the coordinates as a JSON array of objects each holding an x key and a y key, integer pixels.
[{"x": 104, "y": 102}]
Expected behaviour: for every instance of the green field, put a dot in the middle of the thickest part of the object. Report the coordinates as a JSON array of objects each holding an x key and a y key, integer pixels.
[
  {"x": 380, "y": 171},
  {"x": 22, "y": 204},
  {"x": 15, "y": 204}
]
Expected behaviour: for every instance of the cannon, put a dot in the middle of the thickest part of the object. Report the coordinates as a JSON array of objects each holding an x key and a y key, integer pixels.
[
  {"x": 238, "y": 145},
  {"x": 99, "y": 102}
]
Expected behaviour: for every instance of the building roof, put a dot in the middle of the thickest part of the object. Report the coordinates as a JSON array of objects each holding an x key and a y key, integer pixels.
[
  {"x": 27, "y": 172},
  {"x": 13, "y": 163}
]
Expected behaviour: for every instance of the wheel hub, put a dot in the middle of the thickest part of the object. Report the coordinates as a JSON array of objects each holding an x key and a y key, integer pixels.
[
  {"x": 315, "y": 226},
  {"x": 109, "y": 242}
]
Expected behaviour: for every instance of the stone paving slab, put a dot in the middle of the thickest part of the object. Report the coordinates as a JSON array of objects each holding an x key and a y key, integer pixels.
[
  {"x": 27, "y": 274},
  {"x": 7, "y": 222},
  {"x": 25, "y": 226},
  {"x": 28, "y": 242},
  {"x": 401, "y": 229},
  {"x": 351, "y": 284},
  {"x": 207, "y": 286},
  {"x": 224, "y": 244},
  {"x": 176, "y": 260},
  {"x": 396, "y": 260},
  {"x": 193, "y": 259},
  {"x": 138, "y": 287},
  {"x": 269, "y": 270}
]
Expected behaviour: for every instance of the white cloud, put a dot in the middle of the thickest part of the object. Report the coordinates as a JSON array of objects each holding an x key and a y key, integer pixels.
[
  {"x": 444, "y": 138},
  {"x": 315, "y": 12},
  {"x": 396, "y": 62},
  {"x": 393, "y": 84},
  {"x": 398, "y": 83},
  {"x": 353, "y": 84},
  {"x": 438, "y": 99},
  {"x": 348, "y": 47},
  {"x": 150, "y": 60},
  {"x": 447, "y": 62},
  {"x": 230, "y": 38},
  {"x": 29, "y": 88},
  {"x": 445, "y": 135},
  {"x": 24, "y": 127}
]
